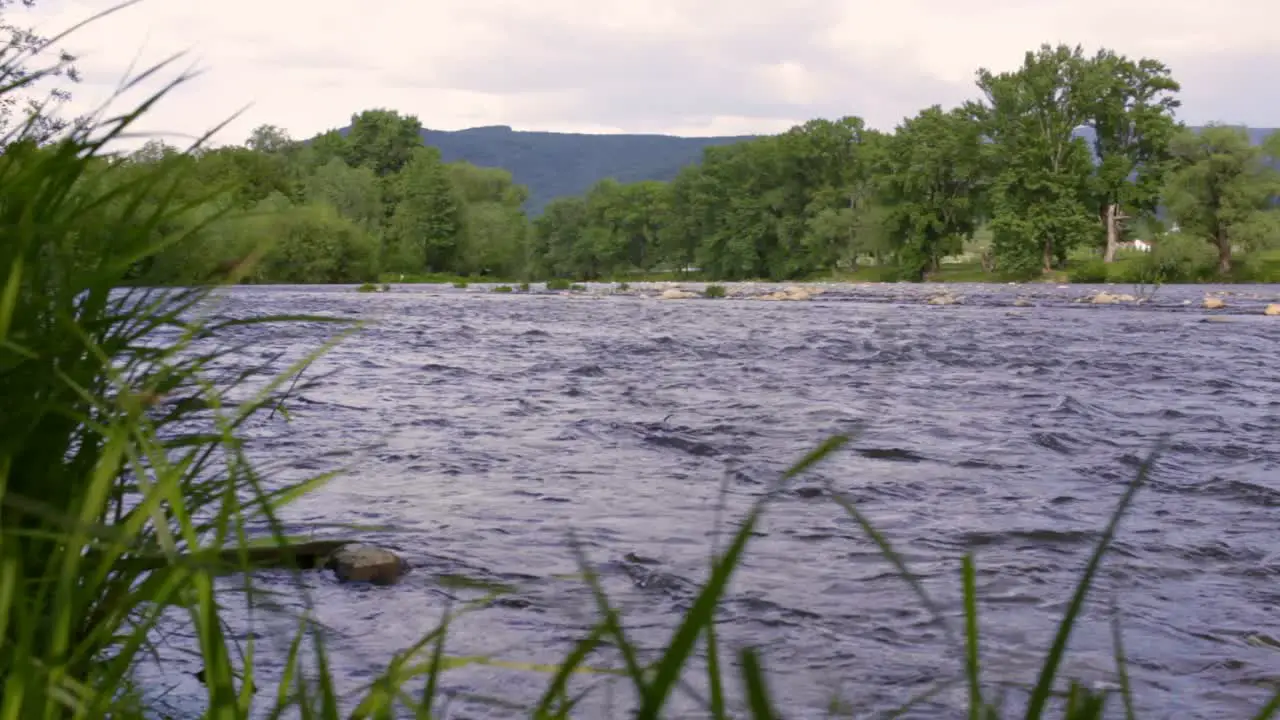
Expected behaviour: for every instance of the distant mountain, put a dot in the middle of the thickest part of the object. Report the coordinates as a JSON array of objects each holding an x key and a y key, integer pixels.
[{"x": 554, "y": 165}]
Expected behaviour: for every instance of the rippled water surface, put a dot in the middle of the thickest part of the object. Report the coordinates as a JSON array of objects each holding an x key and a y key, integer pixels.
[{"x": 486, "y": 427}]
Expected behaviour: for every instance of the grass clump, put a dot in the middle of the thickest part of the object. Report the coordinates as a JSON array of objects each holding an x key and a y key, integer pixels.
[
  {"x": 460, "y": 284},
  {"x": 558, "y": 284},
  {"x": 714, "y": 291},
  {"x": 367, "y": 288},
  {"x": 502, "y": 289},
  {"x": 524, "y": 287},
  {"x": 577, "y": 287}
]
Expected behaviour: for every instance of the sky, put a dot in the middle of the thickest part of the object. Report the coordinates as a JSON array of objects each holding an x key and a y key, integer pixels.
[{"x": 682, "y": 67}]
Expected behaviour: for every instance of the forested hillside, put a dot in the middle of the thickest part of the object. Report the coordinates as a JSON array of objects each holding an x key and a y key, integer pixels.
[
  {"x": 556, "y": 165},
  {"x": 1006, "y": 179}
]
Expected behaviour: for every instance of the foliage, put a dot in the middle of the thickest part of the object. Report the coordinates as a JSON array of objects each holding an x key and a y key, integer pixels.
[
  {"x": 1068, "y": 152},
  {"x": 1224, "y": 189},
  {"x": 714, "y": 291},
  {"x": 1093, "y": 270}
]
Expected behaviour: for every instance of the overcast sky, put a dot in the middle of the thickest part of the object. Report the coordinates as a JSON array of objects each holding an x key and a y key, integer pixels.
[{"x": 687, "y": 67}]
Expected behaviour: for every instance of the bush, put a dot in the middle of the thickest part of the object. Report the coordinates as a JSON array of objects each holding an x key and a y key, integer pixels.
[
  {"x": 1177, "y": 258},
  {"x": 524, "y": 287},
  {"x": 367, "y": 288},
  {"x": 1093, "y": 270},
  {"x": 558, "y": 284},
  {"x": 714, "y": 291},
  {"x": 460, "y": 283},
  {"x": 576, "y": 287},
  {"x": 502, "y": 289}
]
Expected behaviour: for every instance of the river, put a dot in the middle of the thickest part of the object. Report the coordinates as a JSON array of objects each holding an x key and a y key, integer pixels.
[{"x": 484, "y": 428}]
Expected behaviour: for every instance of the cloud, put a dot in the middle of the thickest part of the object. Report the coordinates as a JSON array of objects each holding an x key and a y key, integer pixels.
[{"x": 683, "y": 66}]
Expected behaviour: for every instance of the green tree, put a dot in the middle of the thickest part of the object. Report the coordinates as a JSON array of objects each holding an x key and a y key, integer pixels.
[
  {"x": 1130, "y": 106},
  {"x": 354, "y": 192},
  {"x": 1223, "y": 189},
  {"x": 935, "y": 179},
  {"x": 382, "y": 140},
  {"x": 427, "y": 217},
  {"x": 1042, "y": 170}
]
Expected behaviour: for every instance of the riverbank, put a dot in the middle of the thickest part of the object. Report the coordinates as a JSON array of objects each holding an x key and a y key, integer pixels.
[{"x": 1135, "y": 268}]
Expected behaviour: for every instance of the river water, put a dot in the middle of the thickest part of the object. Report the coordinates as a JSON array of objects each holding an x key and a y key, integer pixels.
[{"x": 483, "y": 429}]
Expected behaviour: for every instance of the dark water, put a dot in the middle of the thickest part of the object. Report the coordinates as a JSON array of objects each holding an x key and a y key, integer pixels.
[{"x": 485, "y": 428}]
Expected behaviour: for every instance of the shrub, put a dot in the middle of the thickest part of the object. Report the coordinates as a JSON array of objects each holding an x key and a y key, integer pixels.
[
  {"x": 1093, "y": 270},
  {"x": 502, "y": 289},
  {"x": 460, "y": 283},
  {"x": 367, "y": 288},
  {"x": 1178, "y": 258},
  {"x": 558, "y": 284},
  {"x": 714, "y": 291},
  {"x": 524, "y": 287},
  {"x": 577, "y": 287}
]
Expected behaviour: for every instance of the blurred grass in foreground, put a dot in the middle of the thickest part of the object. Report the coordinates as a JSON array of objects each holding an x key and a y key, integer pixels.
[{"x": 119, "y": 439}]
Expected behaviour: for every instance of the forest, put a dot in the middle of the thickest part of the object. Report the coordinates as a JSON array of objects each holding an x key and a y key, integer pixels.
[{"x": 1051, "y": 170}]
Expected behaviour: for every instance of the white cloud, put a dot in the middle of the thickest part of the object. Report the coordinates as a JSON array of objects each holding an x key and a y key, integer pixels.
[{"x": 697, "y": 67}]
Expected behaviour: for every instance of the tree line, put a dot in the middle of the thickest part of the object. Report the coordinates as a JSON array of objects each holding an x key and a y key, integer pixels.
[{"x": 1067, "y": 157}]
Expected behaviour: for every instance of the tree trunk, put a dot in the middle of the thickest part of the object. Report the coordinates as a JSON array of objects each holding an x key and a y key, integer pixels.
[
  {"x": 1224, "y": 254},
  {"x": 1111, "y": 219},
  {"x": 1047, "y": 257}
]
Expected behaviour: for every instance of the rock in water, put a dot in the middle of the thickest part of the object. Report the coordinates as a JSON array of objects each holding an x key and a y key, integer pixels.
[
  {"x": 1023, "y": 302},
  {"x": 1106, "y": 298},
  {"x": 676, "y": 294},
  {"x": 366, "y": 563},
  {"x": 943, "y": 300},
  {"x": 1273, "y": 309},
  {"x": 1213, "y": 303}
]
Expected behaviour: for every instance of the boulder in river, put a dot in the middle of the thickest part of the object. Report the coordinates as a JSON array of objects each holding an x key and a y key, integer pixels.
[
  {"x": 1273, "y": 309},
  {"x": 366, "y": 563},
  {"x": 677, "y": 294},
  {"x": 1106, "y": 298},
  {"x": 945, "y": 299},
  {"x": 792, "y": 293},
  {"x": 1213, "y": 303},
  {"x": 1022, "y": 302}
]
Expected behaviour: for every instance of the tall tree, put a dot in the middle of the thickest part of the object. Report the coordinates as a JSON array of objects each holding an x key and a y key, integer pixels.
[
  {"x": 427, "y": 219},
  {"x": 935, "y": 181},
  {"x": 1044, "y": 170},
  {"x": 1130, "y": 106},
  {"x": 383, "y": 140},
  {"x": 1222, "y": 188},
  {"x": 269, "y": 139}
]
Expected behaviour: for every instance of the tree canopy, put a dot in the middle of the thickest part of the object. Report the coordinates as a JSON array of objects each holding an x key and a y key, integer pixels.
[{"x": 1069, "y": 155}]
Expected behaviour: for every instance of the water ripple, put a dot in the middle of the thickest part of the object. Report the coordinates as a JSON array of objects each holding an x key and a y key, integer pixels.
[{"x": 500, "y": 423}]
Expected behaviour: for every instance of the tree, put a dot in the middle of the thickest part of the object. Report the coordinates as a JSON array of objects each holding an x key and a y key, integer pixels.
[
  {"x": 1223, "y": 187},
  {"x": 934, "y": 181},
  {"x": 427, "y": 219},
  {"x": 353, "y": 192},
  {"x": 1042, "y": 169},
  {"x": 269, "y": 139},
  {"x": 382, "y": 140},
  {"x": 1130, "y": 106}
]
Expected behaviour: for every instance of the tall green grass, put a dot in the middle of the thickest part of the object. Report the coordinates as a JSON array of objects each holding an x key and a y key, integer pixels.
[{"x": 121, "y": 439}]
